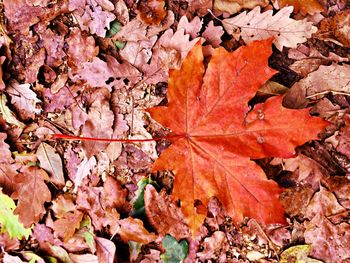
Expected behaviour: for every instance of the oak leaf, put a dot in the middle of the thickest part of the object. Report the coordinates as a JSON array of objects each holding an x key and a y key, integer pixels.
[
  {"x": 215, "y": 136},
  {"x": 30, "y": 183},
  {"x": 258, "y": 26}
]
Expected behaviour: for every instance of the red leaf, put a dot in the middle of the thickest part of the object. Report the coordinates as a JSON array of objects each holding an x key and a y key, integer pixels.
[{"x": 219, "y": 136}]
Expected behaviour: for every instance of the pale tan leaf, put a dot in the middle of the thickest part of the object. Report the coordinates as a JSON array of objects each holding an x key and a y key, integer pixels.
[
  {"x": 254, "y": 25},
  {"x": 7, "y": 114},
  {"x": 51, "y": 162}
]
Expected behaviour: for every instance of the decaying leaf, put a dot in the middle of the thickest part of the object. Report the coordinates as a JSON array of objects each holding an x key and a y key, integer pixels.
[
  {"x": 105, "y": 250},
  {"x": 299, "y": 254},
  {"x": 336, "y": 29},
  {"x": 329, "y": 242},
  {"x": 151, "y": 11},
  {"x": 51, "y": 162},
  {"x": 303, "y": 6},
  {"x": 254, "y": 25},
  {"x": 132, "y": 229},
  {"x": 30, "y": 182},
  {"x": 7, "y": 114},
  {"x": 65, "y": 227},
  {"x": 164, "y": 216},
  {"x": 327, "y": 79},
  {"x": 215, "y": 135},
  {"x": 24, "y": 99},
  {"x": 234, "y": 6}
]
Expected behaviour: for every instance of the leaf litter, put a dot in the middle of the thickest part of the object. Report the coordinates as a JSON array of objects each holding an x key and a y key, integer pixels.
[{"x": 73, "y": 70}]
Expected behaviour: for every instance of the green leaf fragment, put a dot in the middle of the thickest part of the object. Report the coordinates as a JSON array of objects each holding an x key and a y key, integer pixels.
[
  {"x": 175, "y": 252},
  {"x": 116, "y": 26},
  {"x": 9, "y": 221},
  {"x": 298, "y": 254}
]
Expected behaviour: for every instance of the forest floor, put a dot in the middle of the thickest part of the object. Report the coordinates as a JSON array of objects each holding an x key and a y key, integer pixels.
[{"x": 92, "y": 68}]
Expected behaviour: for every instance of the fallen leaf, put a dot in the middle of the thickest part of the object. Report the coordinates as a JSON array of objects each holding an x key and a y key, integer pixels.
[
  {"x": 63, "y": 204},
  {"x": 81, "y": 48},
  {"x": 151, "y": 11},
  {"x": 84, "y": 169},
  {"x": 216, "y": 138},
  {"x": 333, "y": 78},
  {"x": 7, "y": 114},
  {"x": 113, "y": 195},
  {"x": 9, "y": 221},
  {"x": 51, "y": 162},
  {"x": 213, "y": 34},
  {"x": 24, "y": 99},
  {"x": 53, "y": 43},
  {"x": 303, "y": 6},
  {"x": 323, "y": 202},
  {"x": 88, "y": 200},
  {"x": 214, "y": 247},
  {"x": 254, "y": 25},
  {"x": 199, "y": 6},
  {"x": 297, "y": 253},
  {"x": 85, "y": 258},
  {"x": 163, "y": 215},
  {"x": 336, "y": 29},
  {"x": 175, "y": 251},
  {"x": 95, "y": 19},
  {"x": 329, "y": 243},
  {"x": 191, "y": 28},
  {"x": 99, "y": 123},
  {"x": 105, "y": 250},
  {"x": 234, "y": 6},
  {"x": 132, "y": 229},
  {"x": 30, "y": 182},
  {"x": 66, "y": 226},
  {"x": 2, "y": 60},
  {"x": 95, "y": 73}
]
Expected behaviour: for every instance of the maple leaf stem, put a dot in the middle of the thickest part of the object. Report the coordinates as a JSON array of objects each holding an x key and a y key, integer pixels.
[{"x": 71, "y": 137}]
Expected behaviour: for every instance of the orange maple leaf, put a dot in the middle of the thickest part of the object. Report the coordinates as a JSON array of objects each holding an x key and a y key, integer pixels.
[
  {"x": 216, "y": 136},
  {"x": 303, "y": 6}
]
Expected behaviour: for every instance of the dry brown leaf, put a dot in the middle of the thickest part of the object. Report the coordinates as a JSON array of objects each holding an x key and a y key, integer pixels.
[
  {"x": 325, "y": 203},
  {"x": 63, "y": 204},
  {"x": 95, "y": 19},
  {"x": 51, "y": 162},
  {"x": 234, "y": 6},
  {"x": 164, "y": 215},
  {"x": 327, "y": 79},
  {"x": 151, "y": 11},
  {"x": 336, "y": 29},
  {"x": 215, "y": 247},
  {"x": 81, "y": 48},
  {"x": 132, "y": 229},
  {"x": 330, "y": 242},
  {"x": 30, "y": 182},
  {"x": 66, "y": 226}
]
